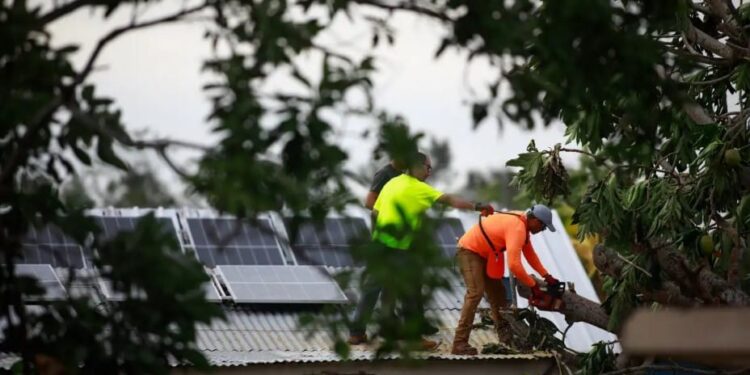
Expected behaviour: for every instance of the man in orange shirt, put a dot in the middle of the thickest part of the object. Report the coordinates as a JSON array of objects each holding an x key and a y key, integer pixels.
[{"x": 482, "y": 261}]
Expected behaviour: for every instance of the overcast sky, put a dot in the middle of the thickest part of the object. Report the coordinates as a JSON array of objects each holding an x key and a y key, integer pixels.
[{"x": 155, "y": 77}]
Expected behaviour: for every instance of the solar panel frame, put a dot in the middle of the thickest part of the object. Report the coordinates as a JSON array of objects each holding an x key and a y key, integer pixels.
[
  {"x": 47, "y": 278},
  {"x": 217, "y": 241},
  {"x": 49, "y": 245},
  {"x": 328, "y": 243},
  {"x": 281, "y": 284},
  {"x": 446, "y": 234}
]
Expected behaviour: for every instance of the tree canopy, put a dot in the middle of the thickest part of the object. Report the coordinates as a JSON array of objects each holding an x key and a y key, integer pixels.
[{"x": 653, "y": 94}]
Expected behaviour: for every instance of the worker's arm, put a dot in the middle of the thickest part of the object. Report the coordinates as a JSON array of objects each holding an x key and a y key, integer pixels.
[
  {"x": 533, "y": 259},
  {"x": 514, "y": 242},
  {"x": 372, "y": 196},
  {"x": 463, "y": 204}
]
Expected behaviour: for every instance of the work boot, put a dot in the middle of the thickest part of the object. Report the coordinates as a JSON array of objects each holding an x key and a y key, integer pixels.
[
  {"x": 429, "y": 345},
  {"x": 463, "y": 349},
  {"x": 357, "y": 339}
]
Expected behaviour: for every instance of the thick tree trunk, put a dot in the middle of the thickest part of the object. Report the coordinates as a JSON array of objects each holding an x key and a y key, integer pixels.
[
  {"x": 710, "y": 287},
  {"x": 686, "y": 281}
]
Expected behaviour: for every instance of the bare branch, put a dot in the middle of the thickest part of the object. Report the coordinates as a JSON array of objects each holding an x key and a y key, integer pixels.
[
  {"x": 64, "y": 10},
  {"x": 410, "y": 7},
  {"x": 163, "y": 153},
  {"x": 119, "y": 31},
  {"x": 708, "y": 82},
  {"x": 125, "y": 140}
]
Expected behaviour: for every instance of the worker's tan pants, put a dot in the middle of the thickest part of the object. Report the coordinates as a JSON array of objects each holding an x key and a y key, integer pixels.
[{"x": 473, "y": 268}]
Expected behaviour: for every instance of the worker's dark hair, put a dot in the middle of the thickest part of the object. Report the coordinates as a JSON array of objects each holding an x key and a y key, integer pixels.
[{"x": 417, "y": 160}]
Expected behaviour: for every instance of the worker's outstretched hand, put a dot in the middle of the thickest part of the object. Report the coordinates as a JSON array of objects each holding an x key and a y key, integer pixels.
[{"x": 486, "y": 210}]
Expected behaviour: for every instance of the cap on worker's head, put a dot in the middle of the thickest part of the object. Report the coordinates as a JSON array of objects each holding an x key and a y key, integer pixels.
[{"x": 544, "y": 214}]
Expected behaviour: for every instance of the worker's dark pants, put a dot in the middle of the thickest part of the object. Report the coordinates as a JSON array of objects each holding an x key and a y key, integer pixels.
[
  {"x": 370, "y": 293},
  {"x": 372, "y": 290},
  {"x": 473, "y": 268}
]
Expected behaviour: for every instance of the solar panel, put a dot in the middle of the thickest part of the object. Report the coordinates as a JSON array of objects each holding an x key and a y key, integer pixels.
[
  {"x": 281, "y": 284},
  {"x": 211, "y": 294},
  {"x": 47, "y": 278},
  {"x": 328, "y": 243},
  {"x": 447, "y": 232},
  {"x": 113, "y": 225},
  {"x": 49, "y": 245},
  {"x": 235, "y": 242}
]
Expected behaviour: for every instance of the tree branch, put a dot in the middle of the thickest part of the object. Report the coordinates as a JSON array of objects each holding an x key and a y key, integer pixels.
[
  {"x": 125, "y": 140},
  {"x": 119, "y": 31},
  {"x": 406, "y": 7},
  {"x": 708, "y": 82},
  {"x": 64, "y": 10},
  {"x": 709, "y": 43},
  {"x": 721, "y": 9}
]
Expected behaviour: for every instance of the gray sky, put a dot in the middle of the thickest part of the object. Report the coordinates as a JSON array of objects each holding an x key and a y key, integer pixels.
[{"x": 154, "y": 76}]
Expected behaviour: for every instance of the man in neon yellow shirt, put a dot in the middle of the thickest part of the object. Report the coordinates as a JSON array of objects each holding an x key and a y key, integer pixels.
[{"x": 398, "y": 213}]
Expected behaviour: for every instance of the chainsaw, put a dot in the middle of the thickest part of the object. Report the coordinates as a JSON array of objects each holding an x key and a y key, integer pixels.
[{"x": 551, "y": 298}]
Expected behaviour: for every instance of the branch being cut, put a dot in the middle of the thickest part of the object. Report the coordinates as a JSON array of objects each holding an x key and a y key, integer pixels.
[{"x": 577, "y": 308}]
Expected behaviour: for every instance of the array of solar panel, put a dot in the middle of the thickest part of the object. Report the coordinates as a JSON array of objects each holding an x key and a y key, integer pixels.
[
  {"x": 49, "y": 245},
  {"x": 113, "y": 225},
  {"x": 235, "y": 242},
  {"x": 328, "y": 243},
  {"x": 447, "y": 232},
  {"x": 47, "y": 278},
  {"x": 281, "y": 284}
]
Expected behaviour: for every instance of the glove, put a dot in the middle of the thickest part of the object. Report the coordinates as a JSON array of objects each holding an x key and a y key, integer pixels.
[
  {"x": 551, "y": 281},
  {"x": 484, "y": 209}
]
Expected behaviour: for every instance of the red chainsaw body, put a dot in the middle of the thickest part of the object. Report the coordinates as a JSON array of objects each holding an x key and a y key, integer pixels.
[{"x": 551, "y": 299}]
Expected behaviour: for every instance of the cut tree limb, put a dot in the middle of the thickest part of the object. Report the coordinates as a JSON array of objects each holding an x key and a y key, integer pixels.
[{"x": 578, "y": 309}]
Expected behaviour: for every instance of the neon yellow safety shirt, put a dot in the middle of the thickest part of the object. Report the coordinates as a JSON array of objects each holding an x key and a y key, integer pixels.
[{"x": 400, "y": 206}]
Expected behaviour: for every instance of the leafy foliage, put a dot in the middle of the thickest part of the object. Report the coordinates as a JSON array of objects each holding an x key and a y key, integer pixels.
[{"x": 599, "y": 360}]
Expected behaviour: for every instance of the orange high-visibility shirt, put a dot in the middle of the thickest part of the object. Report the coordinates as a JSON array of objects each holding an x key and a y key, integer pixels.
[{"x": 509, "y": 232}]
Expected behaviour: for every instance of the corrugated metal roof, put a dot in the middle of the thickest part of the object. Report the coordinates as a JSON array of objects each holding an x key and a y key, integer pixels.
[
  {"x": 225, "y": 359},
  {"x": 249, "y": 330}
]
